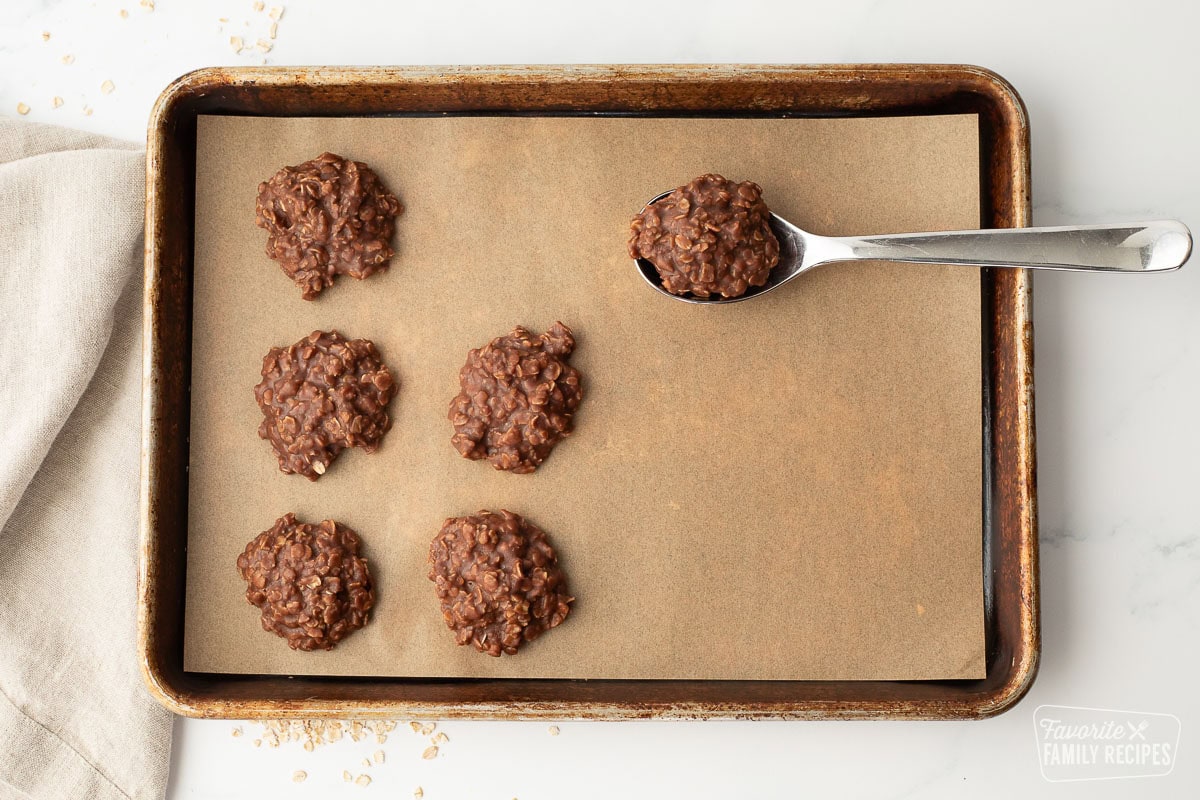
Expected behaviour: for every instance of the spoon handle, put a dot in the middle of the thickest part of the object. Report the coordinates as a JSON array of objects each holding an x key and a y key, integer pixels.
[{"x": 1157, "y": 246}]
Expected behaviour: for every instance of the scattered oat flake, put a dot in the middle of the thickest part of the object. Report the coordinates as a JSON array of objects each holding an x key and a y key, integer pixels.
[
  {"x": 416, "y": 726},
  {"x": 441, "y": 738},
  {"x": 87, "y": 111},
  {"x": 45, "y": 36},
  {"x": 380, "y": 756},
  {"x": 380, "y": 738},
  {"x": 263, "y": 46},
  {"x": 146, "y": 4},
  {"x": 418, "y": 793},
  {"x": 22, "y": 109},
  {"x": 124, "y": 14},
  {"x": 430, "y": 752},
  {"x": 428, "y": 729},
  {"x": 276, "y": 13},
  {"x": 236, "y": 732},
  {"x": 554, "y": 730},
  {"x": 366, "y": 762},
  {"x": 363, "y": 780},
  {"x": 274, "y": 30},
  {"x": 258, "y": 5},
  {"x": 56, "y": 102},
  {"x": 258, "y": 742},
  {"x": 313, "y": 733},
  {"x": 347, "y": 777},
  {"x": 298, "y": 776},
  {"x": 107, "y": 87},
  {"x": 236, "y": 43},
  {"x": 68, "y": 59}
]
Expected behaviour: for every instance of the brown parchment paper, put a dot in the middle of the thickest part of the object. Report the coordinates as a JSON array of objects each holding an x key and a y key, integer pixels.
[{"x": 787, "y": 488}]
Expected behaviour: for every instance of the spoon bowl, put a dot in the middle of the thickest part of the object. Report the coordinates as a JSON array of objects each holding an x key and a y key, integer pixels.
[{"x": 791, "y": 251}]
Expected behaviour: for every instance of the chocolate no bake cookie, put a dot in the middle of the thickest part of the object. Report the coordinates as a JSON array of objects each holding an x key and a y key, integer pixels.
[
  {"x": 709, "y": 237},
  {"x": 321, "y": 395},
  {"x": 517, "y": 400},
  {"x": 498, "y": 580},
  {"x": 326, "y": 217},
  {"x": 309, "y": 581}
]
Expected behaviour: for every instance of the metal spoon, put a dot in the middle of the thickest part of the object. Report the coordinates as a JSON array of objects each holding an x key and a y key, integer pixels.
[{"x": 1159, "y": 246}]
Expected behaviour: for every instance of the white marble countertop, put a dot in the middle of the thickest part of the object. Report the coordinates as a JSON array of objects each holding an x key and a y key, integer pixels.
[{"x": 1111, "y": 89}]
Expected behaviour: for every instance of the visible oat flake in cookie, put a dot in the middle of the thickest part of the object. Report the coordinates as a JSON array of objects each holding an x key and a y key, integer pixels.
[
  {"x": 326, "y": 217},
  {"x": 709, "y": 237},
  {"x": 518, "y": 396},
  {"x": 309, "y": 581},
  {"x": 321, "y": 395},
  {"x": 498, "y": 580}
]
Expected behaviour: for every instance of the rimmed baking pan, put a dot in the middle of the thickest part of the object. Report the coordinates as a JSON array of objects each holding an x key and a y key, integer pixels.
[{"x": 1008, "y": 527}]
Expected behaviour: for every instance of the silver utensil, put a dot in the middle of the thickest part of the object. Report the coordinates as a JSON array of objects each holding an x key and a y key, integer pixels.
[{"x": 1158, "y": 246}]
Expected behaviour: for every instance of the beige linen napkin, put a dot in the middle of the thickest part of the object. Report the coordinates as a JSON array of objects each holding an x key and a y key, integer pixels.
[{"x": 75, "y": 721}]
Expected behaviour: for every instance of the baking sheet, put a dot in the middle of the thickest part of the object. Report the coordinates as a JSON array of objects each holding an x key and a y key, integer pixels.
[{"x": 788, "y": 488}]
